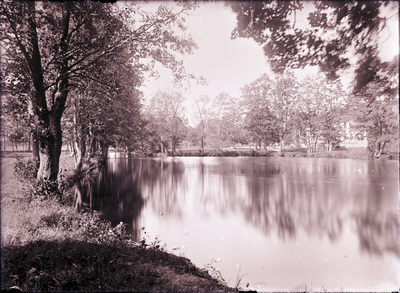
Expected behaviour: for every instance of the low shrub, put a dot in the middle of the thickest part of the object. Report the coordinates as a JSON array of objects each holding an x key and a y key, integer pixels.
[
  {"x": 52, "y": 219},
  {"x": 46, "y": 189},
  {"x": 26, "y": 169},
  {"x": 225, "y": 153},
  {"x": 256, "y": 153}
]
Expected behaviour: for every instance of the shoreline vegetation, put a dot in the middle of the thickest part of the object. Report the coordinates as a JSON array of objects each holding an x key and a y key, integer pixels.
[
  {"x": 47, "y": 245},
  {"x": 338, "y": 153}
]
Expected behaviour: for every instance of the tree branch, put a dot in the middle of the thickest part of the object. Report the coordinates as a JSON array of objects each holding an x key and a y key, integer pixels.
[{"x": 95, "y": 80}]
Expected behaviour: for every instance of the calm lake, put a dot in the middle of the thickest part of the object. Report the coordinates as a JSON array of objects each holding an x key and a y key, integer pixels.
[{"x": 278, "y": 224}]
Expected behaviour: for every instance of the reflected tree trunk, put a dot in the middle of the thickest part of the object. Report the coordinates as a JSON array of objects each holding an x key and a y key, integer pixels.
[{"x": 78, "y": 196}]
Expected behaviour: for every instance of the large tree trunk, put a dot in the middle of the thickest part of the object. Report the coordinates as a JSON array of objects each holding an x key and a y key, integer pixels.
[
  {"x": 47, "y": 122},
  {"x": 50, "y": 143}
]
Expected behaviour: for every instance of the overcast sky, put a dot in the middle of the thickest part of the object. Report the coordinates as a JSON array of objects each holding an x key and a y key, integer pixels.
[{"x": 229, "y": 64}]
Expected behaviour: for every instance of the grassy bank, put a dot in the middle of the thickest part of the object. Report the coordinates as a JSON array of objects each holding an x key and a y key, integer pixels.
[
  {"x": 49, "y": 246},
  {"x": 344, "y": 153},
  {"x": 341, "y": 153}
]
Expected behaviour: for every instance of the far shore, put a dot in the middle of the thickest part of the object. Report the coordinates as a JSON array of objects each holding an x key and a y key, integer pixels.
[{"x": 338, "y": 153}]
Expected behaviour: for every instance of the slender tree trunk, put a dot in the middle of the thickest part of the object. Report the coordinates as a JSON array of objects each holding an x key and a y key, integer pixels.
[
  {"x": 310, "y": 145},
  {"x": 282, "y": 147},
  {"x": 316, "y": 146},
  {"x": 382, "y": 148},
  {"x": 71, "y": 148},
  {"x": 202, "y": 146},
  {"x": 34, "y": 137},
  {"x": 80, "y": 150},
  {"x": 309, "y": 150},
  {"x": 104, "y": 152},
  {"x": 4, "y": 141},
  {"x": 298, "y": 145},
  {"x": 330, "y": 147},
  {"x": 378, "y": 149},
  {"x": 282, "y": 142},
  {"x": 79, "y": 139},
  {"x": 93, "y": 145},
  {"x": 173, "y": 147},
  {"x": 29, "y": 143}
]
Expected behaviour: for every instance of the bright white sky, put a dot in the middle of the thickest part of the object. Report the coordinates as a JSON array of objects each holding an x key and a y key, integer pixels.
[
  {"x": 226, "y": 64},
  {"x": 229, "y": 64}
]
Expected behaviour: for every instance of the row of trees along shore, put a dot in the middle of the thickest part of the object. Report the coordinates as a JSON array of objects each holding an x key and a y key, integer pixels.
[
  {"x": 276, "y": 110},
  {"x": 71, "y": 73},
  {"x": 79, "y": 65}
]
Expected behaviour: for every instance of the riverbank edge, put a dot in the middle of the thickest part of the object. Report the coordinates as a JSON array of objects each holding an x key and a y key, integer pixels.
[
  {"x": 340, "y": 153},
  {"x": 49, "y": 246}
]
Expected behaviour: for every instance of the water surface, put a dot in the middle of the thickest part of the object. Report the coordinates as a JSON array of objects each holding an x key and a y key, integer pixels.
[{"x": 277, "y": 224}]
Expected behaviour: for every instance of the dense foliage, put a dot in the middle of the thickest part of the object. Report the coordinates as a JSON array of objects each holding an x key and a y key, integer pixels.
[
  {"x": 166, "y": 122},
  {"x": 95, "y": 53},
  {"x": 341, "y": 37}
]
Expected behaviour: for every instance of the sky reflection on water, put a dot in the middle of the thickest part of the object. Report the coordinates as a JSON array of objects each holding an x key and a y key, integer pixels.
[{"x": 285, "y": 224}]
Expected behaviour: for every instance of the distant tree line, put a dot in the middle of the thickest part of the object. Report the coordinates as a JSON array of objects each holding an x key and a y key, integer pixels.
[{"x": 279, "y": 110}]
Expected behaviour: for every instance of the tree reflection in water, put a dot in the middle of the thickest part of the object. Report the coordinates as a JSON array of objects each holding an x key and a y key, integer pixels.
[
  {"x": 115, "y": 192},
  {"x": 285, "y": 195}
]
